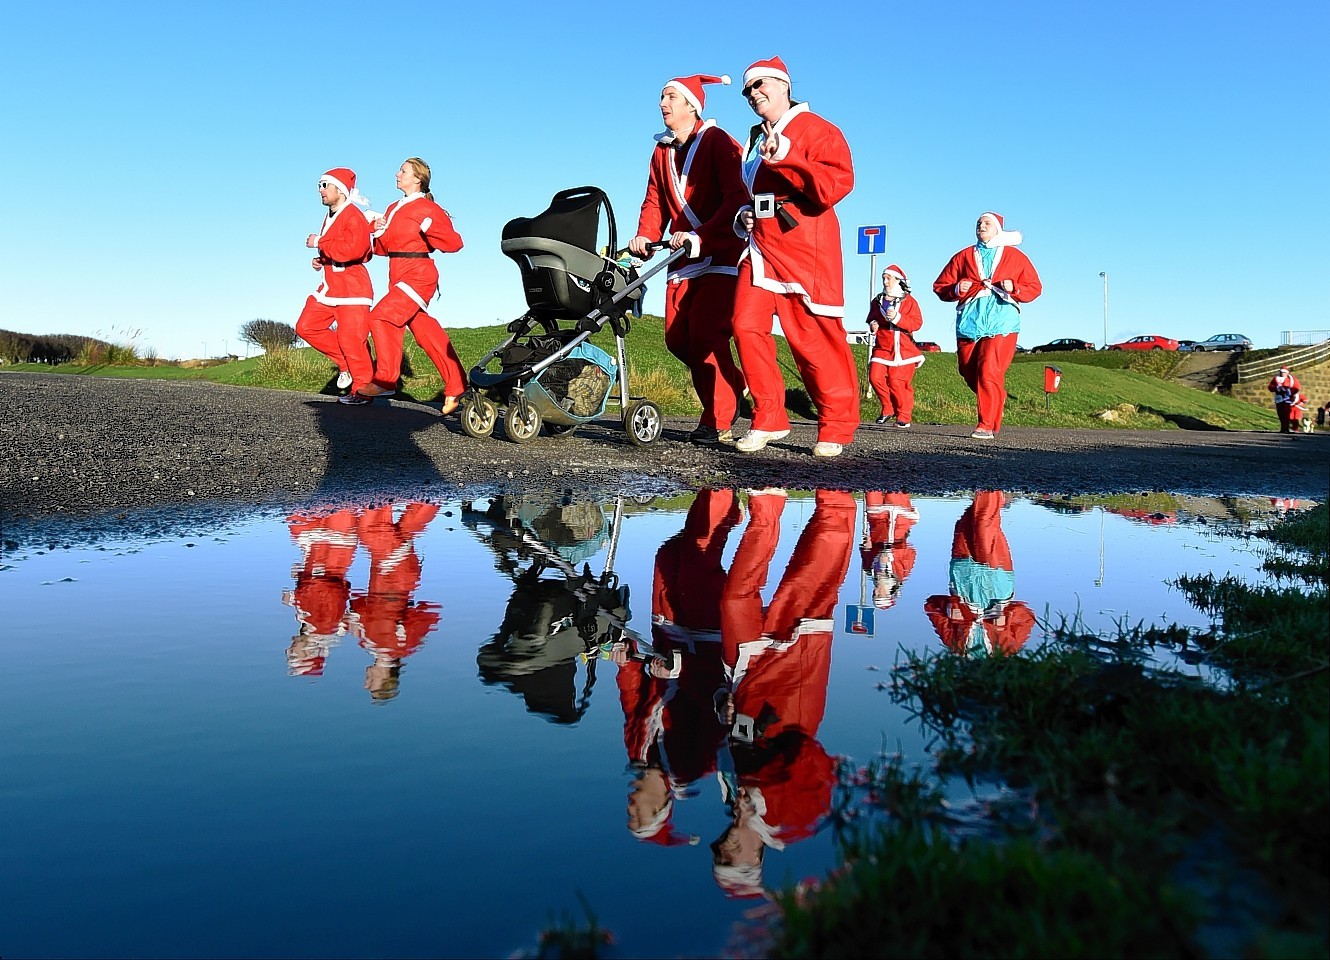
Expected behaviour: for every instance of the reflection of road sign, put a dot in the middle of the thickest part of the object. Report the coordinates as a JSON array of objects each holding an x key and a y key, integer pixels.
[
  {"x": 858, "y": 619},
  {"x": 873, "y": 239}
]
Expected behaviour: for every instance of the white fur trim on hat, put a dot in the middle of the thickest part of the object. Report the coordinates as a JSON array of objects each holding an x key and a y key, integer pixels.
[{"x": 773, "y": 67}]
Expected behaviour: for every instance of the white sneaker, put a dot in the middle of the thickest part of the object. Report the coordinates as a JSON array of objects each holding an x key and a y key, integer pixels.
[
  {"x": 343, "y": 379},
  {"x": 825, "y": 448},
  {"x": 755, "y": 440}
]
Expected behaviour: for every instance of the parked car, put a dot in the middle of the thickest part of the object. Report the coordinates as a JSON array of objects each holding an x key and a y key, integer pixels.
[
  {"x": 1185, "y": 345},
  {"x": 928, "y": 346},
  {"x": 1223, "y": 341},
  {"x": 1063, "y": 343},
  {"x": 1146, "y": 341}
]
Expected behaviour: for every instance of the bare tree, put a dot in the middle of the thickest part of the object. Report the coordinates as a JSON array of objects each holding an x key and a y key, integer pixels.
[{"x": 270, "y": 335}]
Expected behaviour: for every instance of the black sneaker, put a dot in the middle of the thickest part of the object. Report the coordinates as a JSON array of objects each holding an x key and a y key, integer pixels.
[
  {"x": 705, "y": 435},
  {"x": 884, "y": 419},
  {"x": 354, "y": 400}
]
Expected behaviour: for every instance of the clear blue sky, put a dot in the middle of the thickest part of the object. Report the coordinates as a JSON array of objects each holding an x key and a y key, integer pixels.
[{"x": 160, "y": 159}]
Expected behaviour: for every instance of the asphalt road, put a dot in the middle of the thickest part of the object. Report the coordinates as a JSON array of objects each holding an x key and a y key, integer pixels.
[{"x": 84, "y": 452}]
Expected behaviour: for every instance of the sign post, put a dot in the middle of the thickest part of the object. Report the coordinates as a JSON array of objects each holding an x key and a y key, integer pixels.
[{"x": 872, "y": 241}]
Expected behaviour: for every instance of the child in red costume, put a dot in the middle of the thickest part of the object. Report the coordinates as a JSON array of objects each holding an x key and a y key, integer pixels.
[
  {"x": 407, "y": 233},
  {"x": 886, "y": 552},
  {"x": 988, "y": 282},
  {"x": 335, "y": 320},
  {"x": 797, "y": 167},
  {"x": 1286, "y": 388},
  {"x": 893, "y": 316},
  {"x": 693, "y": 188}
]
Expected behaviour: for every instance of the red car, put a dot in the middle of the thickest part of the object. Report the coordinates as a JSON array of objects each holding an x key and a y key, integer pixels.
[
  {"x": 928, "y": 346},
  {"x": 1146, "y": 341}
]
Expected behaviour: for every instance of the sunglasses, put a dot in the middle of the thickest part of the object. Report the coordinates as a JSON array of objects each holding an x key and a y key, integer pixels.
[
  {"x": 748, "y": 90},
  {"x": 324, "y": 184}
]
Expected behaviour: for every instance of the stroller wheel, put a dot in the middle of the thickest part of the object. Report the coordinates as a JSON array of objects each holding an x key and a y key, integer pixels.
[
  {"x": 522, "y": 428},
  {"x": 642, "y": 422},
  {"x": 479, "y": 415},
  {"x": 560, "y": 429}
]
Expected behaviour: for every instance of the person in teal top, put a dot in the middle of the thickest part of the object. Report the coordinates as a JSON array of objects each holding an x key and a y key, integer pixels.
[{"x": 988, "y": 282}]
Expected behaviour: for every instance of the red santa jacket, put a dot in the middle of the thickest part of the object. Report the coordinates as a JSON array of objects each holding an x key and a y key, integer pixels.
[
  {"x": 344, "y": 248},
  {"x": 321, "y": 589},
  {"x": 417, "y": 226},
  {"x": 1285, "y": 389},
  {"x": 790, "y": 783},
  {"x": 811, "y": 174},
  {"x": 390, "y": 621},
  {"x": 1008, "y": 264},
  {"x": 891, "y": 516},
  {"x": 696, "y": 188},
  {"x": 965, "y": 630},
  {"x": 893, "y": 344}
]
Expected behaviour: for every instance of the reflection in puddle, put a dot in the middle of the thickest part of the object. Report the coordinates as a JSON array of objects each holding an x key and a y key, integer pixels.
[{"x": 748, "y": 634}]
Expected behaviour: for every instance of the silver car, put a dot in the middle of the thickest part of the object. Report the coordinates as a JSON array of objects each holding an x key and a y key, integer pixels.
[{"x": 1223, "y": 341}]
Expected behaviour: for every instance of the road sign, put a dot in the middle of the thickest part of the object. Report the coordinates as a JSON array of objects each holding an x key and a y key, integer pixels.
[
  {"x": 858, "y": 620},
  {"x": 873, "y": 239}
]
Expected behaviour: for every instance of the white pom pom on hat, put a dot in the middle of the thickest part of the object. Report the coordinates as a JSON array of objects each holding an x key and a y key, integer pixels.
[{"x": 691, "y": 88}]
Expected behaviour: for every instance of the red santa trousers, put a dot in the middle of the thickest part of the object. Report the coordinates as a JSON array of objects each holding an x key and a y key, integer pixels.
[
  {"x": 894, "y": 386},
  {"x": 347, "y": 345},
  {"x": 820, "y": 350},
  {"x": 388, "y": 322},
  {"x": 697, "y": 331},
  {"x": 983, "y": 366}
]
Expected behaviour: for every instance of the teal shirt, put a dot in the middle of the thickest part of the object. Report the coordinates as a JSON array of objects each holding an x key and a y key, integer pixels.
[{"x": 986, "y": 316}]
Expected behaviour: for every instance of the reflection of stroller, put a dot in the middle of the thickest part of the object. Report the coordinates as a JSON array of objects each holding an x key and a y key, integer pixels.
[
  {"x": 557, "y": 378},
  {"x": 552, "y": 622}
]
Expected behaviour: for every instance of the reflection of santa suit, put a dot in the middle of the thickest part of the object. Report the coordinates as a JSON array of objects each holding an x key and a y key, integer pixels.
[
  {"x": 416, "y": 228},
  {"x": 391, "y": 623},
  {"x": 695, "y": 189},
  {"x": 796, "y": 273},
  {"x": 344, "y": 296},
  {"x": 671, "y": 722},
  {"x": 779, "y": 662},
  {"x": 980, "y": 615},
  {"x": 895, "y": 357},
  {"x": 885, "y": 551},
  {"x": 987, "y": 320},
  {"x": 321, "y": 590}
]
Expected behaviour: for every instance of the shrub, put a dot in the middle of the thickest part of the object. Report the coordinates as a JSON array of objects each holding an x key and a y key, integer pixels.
[{"x": 271, "y": 336}]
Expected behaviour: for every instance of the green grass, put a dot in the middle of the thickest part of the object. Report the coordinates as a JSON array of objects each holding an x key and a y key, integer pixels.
[
  {"x": 1092, "y": 382},
  {"x": 1166, "y": 817}
]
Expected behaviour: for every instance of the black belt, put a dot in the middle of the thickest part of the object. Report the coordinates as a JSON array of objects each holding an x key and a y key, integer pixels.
[
  {"x": 414, "y": 255},
  {"x": 346, "y": 263}
]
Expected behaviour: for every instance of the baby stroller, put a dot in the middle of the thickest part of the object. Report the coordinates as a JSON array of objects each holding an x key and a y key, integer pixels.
[
  {"x": 555, "y": 378},
  {"x": 559, "y": 617}
]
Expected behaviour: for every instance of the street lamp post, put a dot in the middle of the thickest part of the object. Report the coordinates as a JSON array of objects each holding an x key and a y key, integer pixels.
[{"x": 1104, "y": 275}]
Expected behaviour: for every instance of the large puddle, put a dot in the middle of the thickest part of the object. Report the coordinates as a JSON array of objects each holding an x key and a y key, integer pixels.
[{"x": 429, "y": 729}]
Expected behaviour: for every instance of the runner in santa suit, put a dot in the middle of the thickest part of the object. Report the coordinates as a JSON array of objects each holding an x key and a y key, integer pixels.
[
  {"x": 693, "y": 188},
  {"x": 328, "y": 547},
  {"x": 980, "y": 615},
  {"x": 1285, "y": 387},
  {"x": 407, "y": 233},
  {"x": 893, "y": 316},
  {"x": 390, "y": 624},
  {"x": 335, "y": 320},
  {"x": 988, "y": 282},
  {"x": 797, "y": 167},
  {"x": 886, "y": 553},
  {"x": 775, "y": 775}
]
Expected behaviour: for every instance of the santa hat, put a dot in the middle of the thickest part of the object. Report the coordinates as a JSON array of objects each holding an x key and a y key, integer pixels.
[
  {"x": 739, "y": 882},
  {"x": 691, "y": 88},
  {"x": 897, "y": 272},
  {"x": 1005, "y": 237},
  {"x": 344, "y": 179},
  {"x": 773, "y": 67}
]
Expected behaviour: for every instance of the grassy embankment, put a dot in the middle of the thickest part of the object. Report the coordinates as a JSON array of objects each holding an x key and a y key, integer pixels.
[
  {"x": 1153, "y": 814},
  {"x": 1091, "y": 383}
]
